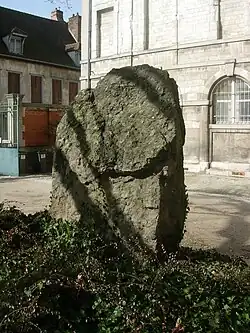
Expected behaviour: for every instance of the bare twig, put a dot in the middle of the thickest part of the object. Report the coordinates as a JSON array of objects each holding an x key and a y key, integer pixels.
[{"x": 66, "y": 3}]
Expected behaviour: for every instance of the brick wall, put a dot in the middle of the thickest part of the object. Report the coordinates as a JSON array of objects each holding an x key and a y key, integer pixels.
[
  {"x": 39, "y": 125},
  {"x": 74, "y": 26}
]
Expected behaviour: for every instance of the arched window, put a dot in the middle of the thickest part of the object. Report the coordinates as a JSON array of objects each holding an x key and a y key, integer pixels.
[{"x": 231, "y": 102}]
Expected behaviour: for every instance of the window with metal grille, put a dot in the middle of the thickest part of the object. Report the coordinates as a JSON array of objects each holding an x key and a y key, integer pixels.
[
  {"x": 56, "y": 91},
  {"x": 73, "y": 91},
  {"x": 13, "y": 83},
  {"x": 231, "y": 102},
  {"x": 9, "y": 108},
  {"x": 36, "y": 89}
]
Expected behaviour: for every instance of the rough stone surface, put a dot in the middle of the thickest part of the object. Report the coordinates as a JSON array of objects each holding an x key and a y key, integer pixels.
[{"x": 119, "y": 158}]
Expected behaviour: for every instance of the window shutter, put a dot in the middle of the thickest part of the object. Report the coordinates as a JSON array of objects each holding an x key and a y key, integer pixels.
[
  {"x": 73, "y": 91},
  {"x": 13, "y": 83},
  {"x": 36, "y": 89},
  {"x": 56, "y": 91}
]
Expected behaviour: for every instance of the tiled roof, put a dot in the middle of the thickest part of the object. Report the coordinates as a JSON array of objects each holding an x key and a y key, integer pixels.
[{"x": 46, "y": 39}]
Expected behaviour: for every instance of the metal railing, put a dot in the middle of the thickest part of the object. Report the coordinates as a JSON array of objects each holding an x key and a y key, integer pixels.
[{"x": 9, "y": 120}]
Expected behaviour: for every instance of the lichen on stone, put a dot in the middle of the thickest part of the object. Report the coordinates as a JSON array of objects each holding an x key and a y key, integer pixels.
[{"x": 119, "y": 158}]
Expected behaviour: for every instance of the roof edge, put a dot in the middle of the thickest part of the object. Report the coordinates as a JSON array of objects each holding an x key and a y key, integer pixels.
[{"x": 2, "y": 55}]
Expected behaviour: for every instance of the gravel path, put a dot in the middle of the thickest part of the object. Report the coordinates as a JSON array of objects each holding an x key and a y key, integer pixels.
[{"x": 219, "y": 208}]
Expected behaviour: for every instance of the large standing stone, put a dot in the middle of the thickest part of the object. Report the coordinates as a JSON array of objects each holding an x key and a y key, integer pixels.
[{"x": 119, "y": 157}]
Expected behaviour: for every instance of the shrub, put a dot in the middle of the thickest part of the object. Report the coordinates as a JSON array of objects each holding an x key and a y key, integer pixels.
[{"x": 64, "y": 277}]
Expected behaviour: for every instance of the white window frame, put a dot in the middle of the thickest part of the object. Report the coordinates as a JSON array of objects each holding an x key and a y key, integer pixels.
[
  {"x": 14, "y": 46},
  {"x": 13, "y": 43},
  {"x": 11, "y": 127},
  {"x": 232, "y": 102}
]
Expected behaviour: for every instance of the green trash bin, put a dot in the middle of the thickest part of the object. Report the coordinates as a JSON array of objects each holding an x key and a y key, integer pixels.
[
  {"x": 22, "y": 164},
  {"x": 43, "y": 161}
]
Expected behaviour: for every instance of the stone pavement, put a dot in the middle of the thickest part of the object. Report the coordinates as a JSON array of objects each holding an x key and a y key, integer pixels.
[
  {"x": 234, "y": 186},
  {"x": 219, "y": 213}
]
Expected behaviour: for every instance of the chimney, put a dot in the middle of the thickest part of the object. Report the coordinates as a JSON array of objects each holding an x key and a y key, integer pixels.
[
  {"x": 74, "y": 26},
  {"x": 57, "y": 15}
]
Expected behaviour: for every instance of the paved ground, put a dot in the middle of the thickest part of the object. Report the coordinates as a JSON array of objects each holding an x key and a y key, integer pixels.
[
  {"x": 30, "y": 194},
  {"x": 219, "y": 216}
]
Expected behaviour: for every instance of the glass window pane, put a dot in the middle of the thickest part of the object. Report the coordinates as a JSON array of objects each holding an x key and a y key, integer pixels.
[
  {"x": 3, "y": 125},
  {"x": 222, "y": 112},
  {"x": 18, "y": 45},
  {"x": 242, "y": 101},
  {"x": 222, "y": 102}
]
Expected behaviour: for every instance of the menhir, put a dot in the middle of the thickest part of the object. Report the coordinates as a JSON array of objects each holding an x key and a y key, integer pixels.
[{"x": 119, "y": 158}]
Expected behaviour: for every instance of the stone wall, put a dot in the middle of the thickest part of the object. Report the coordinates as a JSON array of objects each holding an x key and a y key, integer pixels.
[
  {"x": 47, "y": 72},
  {"x": 198, "y": 44}
]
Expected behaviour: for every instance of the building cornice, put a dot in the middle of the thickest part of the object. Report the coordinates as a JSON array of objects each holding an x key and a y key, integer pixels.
[
  {"x": 174, "y": 48},
  {"x": 27, "y": 60}
]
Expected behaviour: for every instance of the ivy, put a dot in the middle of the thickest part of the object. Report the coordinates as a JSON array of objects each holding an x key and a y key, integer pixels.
[{"x": 65, "y": 277}]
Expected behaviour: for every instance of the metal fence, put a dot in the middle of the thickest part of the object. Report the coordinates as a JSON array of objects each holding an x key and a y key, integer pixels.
[{"x": 9, "y": 121}]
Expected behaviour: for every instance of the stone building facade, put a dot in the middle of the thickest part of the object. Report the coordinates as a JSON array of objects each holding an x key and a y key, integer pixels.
[
  {"x": 35, "y": 51},
  {"x": 39, "y": 66},
  {"x": 205, "y": 46}
]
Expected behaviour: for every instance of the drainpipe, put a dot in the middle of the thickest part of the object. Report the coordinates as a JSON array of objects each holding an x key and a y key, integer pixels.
[
  {"x": 219, "y": 24},
  {"x": 89, "y": 8},
  {"x": 131, "y": 32},
  {"x": 19, "y": 120},
  {"x": 217, "y": 4},
  {"x": 17, "y": 124},
  {"x": 118, "y": 25},
  {"x": 17, "y": 102},
  {"x": 48, "y": 127},
  {"x": 146, "y": 25},
  {"x": 177, "y": 30}
]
